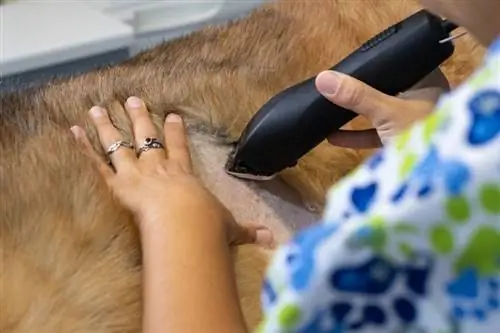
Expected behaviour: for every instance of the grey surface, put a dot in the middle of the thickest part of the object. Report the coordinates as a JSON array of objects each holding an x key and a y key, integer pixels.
[
  {"x": 39, "y": 34},
  {"x": 43, "y": 75},
  {"x": 143, "y": 41}
]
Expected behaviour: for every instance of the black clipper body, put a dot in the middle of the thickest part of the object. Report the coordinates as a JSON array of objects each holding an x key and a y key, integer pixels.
[{"x": 299, "y": 118}]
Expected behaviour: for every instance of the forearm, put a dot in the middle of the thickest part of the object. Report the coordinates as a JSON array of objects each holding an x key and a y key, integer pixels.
[{"x": 189, "y": 284}]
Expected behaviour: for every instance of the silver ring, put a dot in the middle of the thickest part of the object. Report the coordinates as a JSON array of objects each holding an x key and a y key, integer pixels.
[
  {"x": 150, "y": 143},
  {"x": 114, "y": 147}
]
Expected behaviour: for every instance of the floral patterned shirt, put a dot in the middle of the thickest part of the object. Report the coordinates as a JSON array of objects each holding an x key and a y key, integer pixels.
[{"x": 410, "y": 241}]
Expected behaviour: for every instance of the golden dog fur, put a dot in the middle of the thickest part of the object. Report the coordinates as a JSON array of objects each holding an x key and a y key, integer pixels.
[{"x": 70, "y": 254}]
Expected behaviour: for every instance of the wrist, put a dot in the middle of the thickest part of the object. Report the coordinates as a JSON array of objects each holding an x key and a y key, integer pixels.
[
  {"x": 172, "y": 251},
  {"x": 160, "y": 223}
]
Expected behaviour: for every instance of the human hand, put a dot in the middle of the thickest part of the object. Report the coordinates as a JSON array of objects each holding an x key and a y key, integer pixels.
[
  {"x": 160, "y": 188},
  {"x": 389, "y": 115}
]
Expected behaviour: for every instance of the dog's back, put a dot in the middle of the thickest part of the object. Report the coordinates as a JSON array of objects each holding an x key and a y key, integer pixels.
[{"x": 70, "y": 254}]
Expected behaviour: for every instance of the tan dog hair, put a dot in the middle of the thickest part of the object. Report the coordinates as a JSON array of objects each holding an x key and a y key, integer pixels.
[{"x": 70, "y": 254}]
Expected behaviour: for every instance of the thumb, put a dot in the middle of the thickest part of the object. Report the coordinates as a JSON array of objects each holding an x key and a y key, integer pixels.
[
  {"x": 352, "y": 94},
  {"x": 253, "y": 234}
]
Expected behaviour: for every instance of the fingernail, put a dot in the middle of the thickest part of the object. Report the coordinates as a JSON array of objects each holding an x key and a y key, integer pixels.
[
  {"x": 173, "y": 118},
  {"x": 77, "y": 132},
  {"x": 134, "y": 102},
  {"x": 327, "y": 82},
  {"x": 97, "y": 111},
  {"x": 265, "y": 237}
]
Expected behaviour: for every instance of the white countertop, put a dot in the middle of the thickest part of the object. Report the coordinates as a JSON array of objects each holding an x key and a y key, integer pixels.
[
  {"x": 40, "y": 33},
  {"x": 36, "y": 34}
]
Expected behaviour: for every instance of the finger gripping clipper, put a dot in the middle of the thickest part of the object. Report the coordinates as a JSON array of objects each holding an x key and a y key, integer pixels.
[{"x": 299, "y": 118}]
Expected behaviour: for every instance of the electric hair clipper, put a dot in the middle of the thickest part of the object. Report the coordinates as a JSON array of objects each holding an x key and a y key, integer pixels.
[{"x": 299, "y": 118}]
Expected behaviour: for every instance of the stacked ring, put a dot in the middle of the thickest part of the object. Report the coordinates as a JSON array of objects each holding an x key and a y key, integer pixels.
[
  {"x": 114, "y": 147},
  {"x": 150, "y": 143}
]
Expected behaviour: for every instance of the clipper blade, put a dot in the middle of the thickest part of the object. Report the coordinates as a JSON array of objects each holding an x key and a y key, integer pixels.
[
  {"x": 236, "y": 169},
  {"x": 248, "y": 176}
]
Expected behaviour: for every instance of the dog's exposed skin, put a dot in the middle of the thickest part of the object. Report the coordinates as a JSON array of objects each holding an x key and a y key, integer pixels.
[{"x": 70, "y": 254}]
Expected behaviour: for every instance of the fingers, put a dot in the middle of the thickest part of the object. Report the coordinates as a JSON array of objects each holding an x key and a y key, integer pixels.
[
  {"x": 430, "y": 94},
  {"x": 265, "y": 237},
  {"x": 436, "y": 79},
  {"x": 363, "y": 139},
  {"x": 176, "y": 141},
  {"x": 253, "y": 234},
  {"x": 143, "y": 127},
  {"x": 81, "y": 137},
  {"x": 175, "y": 136},
  {"x": 109, "y": 135},
  {"x": 429, "y": 88},
  {"x": 352, "y": 94}
]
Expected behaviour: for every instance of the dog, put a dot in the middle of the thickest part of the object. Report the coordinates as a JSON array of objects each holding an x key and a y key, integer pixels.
[{"x": 71, "y": 259}]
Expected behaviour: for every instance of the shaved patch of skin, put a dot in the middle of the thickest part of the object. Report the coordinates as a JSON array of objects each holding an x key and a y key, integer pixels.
[{"x": 272, "y": 203}]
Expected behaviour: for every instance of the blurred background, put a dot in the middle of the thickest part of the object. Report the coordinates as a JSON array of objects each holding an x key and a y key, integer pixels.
[{"x": 42, "y": 39}]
